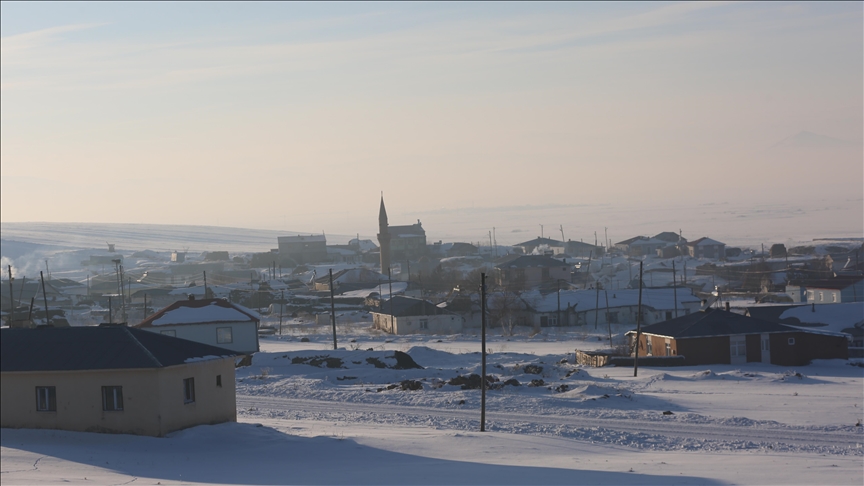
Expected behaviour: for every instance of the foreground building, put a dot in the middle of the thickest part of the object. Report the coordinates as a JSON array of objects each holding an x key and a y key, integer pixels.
[
  {"x": 715, "y": 336},
  {"x": 112, "y": 379}
]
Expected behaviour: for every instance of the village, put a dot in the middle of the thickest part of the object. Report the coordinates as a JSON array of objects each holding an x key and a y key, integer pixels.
[{"x": 685, "y": 302}]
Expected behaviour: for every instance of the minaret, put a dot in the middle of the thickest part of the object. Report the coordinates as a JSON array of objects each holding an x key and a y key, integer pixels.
[{"x": 384, "y": 237}]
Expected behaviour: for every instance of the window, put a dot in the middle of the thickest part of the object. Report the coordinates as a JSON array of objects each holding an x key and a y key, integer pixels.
[
  {"x": 737, "y": 346},
  {"x": 424, "y": 323},
  {"x": 219, "y": 381},
  {"x": 833, "y": 296},
  {"x": 648, "y": 347},
  {"x": 668, "y": 315},
  {"x": 668, "y": 349},
  {"x": 810, "y": 295},
  {"x": 189, "y": 389},
  {"x": 46, "y": 399},
  {"x": 169, "y": 333},
  {"x": 791, "y": 341},
  {"x": 613, "y": 318},
  {"x": 821, "y": 296},
  {"x": 223, "y": 335},
  {"x": 553, "y": 320},
  {"x": 112, "y": 398}
]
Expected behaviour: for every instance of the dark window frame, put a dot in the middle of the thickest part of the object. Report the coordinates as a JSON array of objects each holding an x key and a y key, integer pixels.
[
  {"x": 189, "y": 390},
  {"x": 112, "y": 398},
  {"x": 50, "y": 399}
]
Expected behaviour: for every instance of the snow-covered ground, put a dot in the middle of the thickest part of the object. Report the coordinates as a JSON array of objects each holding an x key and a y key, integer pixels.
[{"x": 308, "y": 414}]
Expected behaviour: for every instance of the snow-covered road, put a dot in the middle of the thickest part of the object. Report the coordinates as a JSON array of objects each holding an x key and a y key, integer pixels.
[{"x": 653, "y": 431}]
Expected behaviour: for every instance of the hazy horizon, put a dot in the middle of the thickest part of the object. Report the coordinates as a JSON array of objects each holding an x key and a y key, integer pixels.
[{"x": 295, "y": 117}]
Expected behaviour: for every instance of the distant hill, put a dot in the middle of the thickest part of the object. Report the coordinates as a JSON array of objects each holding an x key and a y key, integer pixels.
[{"x": 812, "y": 140}]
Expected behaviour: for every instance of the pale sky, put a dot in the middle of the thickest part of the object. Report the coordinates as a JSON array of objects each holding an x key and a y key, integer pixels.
[{"x": 296, "y": 116}]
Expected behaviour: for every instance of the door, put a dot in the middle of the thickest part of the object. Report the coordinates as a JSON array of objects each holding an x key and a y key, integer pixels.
[
  {"x": 737, "y": 349},
  {"x": 766, "y": 349}
]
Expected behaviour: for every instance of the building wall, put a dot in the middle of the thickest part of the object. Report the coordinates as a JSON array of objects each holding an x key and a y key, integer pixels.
[
  {"x": 213, "y": 404},
  {"x": 806, "y": 347},
  {"x": 152, "y": 399},
  {"x": 699, "y": 351},
  {"x": 244, "y": 334},
  {"x": 436, "y": 324}
]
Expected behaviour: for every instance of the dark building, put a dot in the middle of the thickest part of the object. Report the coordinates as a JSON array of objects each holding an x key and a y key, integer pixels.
[
  {"x": 399, "y": 243},
  {"x": 303, "y": 249}
]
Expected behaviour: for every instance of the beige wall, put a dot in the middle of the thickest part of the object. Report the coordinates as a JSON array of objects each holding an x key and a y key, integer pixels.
[{"x": 152, "y": 399}]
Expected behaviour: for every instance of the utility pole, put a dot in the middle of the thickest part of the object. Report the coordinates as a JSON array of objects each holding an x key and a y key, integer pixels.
[
  {"x": 281, "y": 309},
  {"x": 608, "y": 324},
  {"x": 45, "y": 298},
  {"x": 110, "y": 311},
  {"x": 205, "y": 284},
  {"x": 606, "y": 233},
  {"x": 597, "y": 303},
  {"x": 11, "y": 296},
  {"x": 47, "y": 272},
  {"x": 638, "y": 325},
  {"x": 674, "y": 289},
  {"x": 332, "y": 311},
  {"x": 561, "y": 227},
  {"x": 145, "y": 307},
  {"x": 494, "y": 242},
  {"x": 483, "y": 352},
  {"x": 390, "y": 298},
  {"x": 558, "y": 281}
]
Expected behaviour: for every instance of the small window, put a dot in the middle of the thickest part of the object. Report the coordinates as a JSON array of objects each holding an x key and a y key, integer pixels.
[
  {"x": 424, "y": 324},
  {"x": 224, "y": 335},
  {"x": 169, "y": 333},
  {"x": 821, "y": 296},
  {"x": 648, "y": 347},
  {"x": 791, "y": 341},
  {"x": 834, "y": 297},
  {"x": 189, "y": 390},
  {"x": 112, "y": 398},
  {"x": 668, "y": 349},
  {"x": 219, "y": 381},
  {"x": 46, "y": 399},
  {"x": 668, "y": 315}
]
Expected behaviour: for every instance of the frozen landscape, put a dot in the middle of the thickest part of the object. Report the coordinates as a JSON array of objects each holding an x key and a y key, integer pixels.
[{"x": 310, "y": 415}]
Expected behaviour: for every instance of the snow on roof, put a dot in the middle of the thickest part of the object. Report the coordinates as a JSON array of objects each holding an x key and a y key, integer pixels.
[
  {"x": 705, "y": 241},
  {"x": 200, "y": 312},
  {"x": 587, "y": 299},
  {"x": 835, "y": 317},
  {"x": 398, "y": 288}
]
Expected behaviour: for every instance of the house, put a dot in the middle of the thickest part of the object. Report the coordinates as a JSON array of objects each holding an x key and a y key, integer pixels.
[
  {"x": 715, "y": 336},
  {"x": 529, "y": 246},
  {"x": 462, "y": 249},
  {"x": 844, "y": 318},
  {"x": 707, "y": 248},
  {"x": 350, "y": 279},
  {"x": 530, "y": 270},
  {"x": 670, "y": 237},
  {"x": 835, "y": 290},
  {"x": 216, "y": 322},
  {"x": 621, "y": 306},
  {"x": 112, "y": 379},
  {"x": 408, "y": 315},
  {"x": 582, "y": 250},
  {"x": 640, "y": 245},
  {"x": 302, "y": 249}
]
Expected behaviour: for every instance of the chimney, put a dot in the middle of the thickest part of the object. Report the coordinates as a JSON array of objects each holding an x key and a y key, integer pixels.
[{"x": 191, "y": 296}]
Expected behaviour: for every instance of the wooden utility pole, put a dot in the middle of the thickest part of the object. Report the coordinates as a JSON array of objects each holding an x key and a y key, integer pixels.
[
  {"x": 608, "y": 324},
  {"x": 558, "y": 281},
  {"x": 205, "y": 284},
  {"x": 597, "y": 303},
  {"x": 110, "y": 311},
  {"x": 332, "y": 311},
  {"x": 674, "y": 288},
  {"x": 145, "y": 306},
  {"x": 281, "y": 308},
  {"x": 390, "y": 298},
  {"x": 11, "y": 297},
  {"x": 483, "y": 352},
  {"x": 638, "y": 325},
  {"x": 45, "y": 298}
]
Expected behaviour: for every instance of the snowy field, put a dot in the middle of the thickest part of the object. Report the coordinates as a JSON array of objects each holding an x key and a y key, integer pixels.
[{"x": 363, "y": 415}]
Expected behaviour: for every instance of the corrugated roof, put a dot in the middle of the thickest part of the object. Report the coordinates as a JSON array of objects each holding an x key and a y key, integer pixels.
[{"x": 96, "y": 348}]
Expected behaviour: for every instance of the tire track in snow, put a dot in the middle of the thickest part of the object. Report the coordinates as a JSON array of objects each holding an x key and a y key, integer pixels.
[{"x": 784, "y": 436}]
